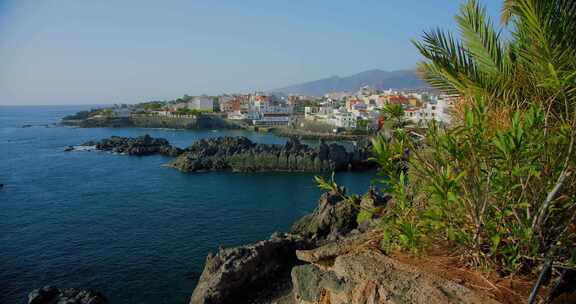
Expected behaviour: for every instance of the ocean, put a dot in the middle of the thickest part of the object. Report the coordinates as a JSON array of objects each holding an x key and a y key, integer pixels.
[{"x": 123, "y": 225}]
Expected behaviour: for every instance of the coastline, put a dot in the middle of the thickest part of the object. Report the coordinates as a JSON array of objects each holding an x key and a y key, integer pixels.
[{"x": 207, "y": 122}]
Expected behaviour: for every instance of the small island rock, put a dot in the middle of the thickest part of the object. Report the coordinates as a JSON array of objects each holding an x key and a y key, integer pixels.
[{"x": 53, "y": 295}]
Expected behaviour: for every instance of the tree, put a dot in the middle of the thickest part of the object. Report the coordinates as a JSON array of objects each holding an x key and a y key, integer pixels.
[
  {"x": 394, "y": 113},
  {"x": 536, "y": 65},
  {"x": 152, "y": 106}
]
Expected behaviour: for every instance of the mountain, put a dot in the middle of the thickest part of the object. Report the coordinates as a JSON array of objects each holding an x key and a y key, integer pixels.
[{"x": 377, "y": 79}]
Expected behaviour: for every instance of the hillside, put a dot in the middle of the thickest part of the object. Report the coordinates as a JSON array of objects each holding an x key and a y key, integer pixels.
[{"x": 375, "y": 78}]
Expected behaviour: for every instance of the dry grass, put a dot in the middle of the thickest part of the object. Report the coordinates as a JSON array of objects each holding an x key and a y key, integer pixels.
[
  {"x": 508, "y": 290},
  {"x": 449, "y": 265}
]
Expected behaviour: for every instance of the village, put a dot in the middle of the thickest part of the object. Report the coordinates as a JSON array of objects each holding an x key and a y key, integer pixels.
[{"x": 337, "y": 111}]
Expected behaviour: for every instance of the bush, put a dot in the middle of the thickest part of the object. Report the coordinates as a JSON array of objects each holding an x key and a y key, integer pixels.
[{"x": 503, "y": 197}]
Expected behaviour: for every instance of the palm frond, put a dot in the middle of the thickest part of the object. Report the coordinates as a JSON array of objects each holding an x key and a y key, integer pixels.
[
  {"x": 507, "y": 11},
  {"x": 481, "y": 39}
]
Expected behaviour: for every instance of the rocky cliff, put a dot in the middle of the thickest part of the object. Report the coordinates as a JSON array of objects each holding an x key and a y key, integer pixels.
[
  {"x": 247, "y": 273},
  {"x": 241, "y": 154},
  {"x": 338, "y": 262}
]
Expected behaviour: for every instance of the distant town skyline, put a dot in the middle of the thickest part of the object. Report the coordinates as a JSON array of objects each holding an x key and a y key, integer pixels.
[{"x": 101, "y": 52}]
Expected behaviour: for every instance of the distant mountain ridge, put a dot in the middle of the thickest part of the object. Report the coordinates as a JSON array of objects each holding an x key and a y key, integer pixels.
[{"x": 378, "y": 79}]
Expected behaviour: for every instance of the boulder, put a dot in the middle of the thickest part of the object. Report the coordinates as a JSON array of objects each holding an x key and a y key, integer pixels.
[
  {"x": 140, "y": 146},
  {"x": 373, "y": 199},
  {"x": 234, "y": 274},
  {"x": 53, "y": 295},
  {"x": 325, "y": 254},
  {"x": 367, "y": 276},
  {"x": 333, "y": 218},
  {"x": 372, "y": 207}
]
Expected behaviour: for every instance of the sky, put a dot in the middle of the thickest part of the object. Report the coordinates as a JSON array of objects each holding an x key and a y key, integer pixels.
[{"x": 126, "y": 51}]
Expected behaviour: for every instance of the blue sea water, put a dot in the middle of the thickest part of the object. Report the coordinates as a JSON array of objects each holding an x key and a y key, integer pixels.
[{"x": 126, "y": 226}]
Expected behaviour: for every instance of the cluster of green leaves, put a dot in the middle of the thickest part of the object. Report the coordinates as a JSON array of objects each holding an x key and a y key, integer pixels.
[
  {"x": 400, "y": 224},
  {"x": 152, "y": 106},
  {"x": 106, "y": 112},
  {"x": 394, "y": 116},
  {"x": 186, "y": 111}
]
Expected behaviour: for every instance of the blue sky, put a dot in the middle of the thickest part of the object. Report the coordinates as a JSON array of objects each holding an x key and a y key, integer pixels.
[{"x": 111, "y": 51}]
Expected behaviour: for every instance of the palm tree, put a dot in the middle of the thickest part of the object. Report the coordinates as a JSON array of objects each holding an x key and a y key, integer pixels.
[
  {"x": 530, "y": 60},
  {"x": 395, "y": 113}
]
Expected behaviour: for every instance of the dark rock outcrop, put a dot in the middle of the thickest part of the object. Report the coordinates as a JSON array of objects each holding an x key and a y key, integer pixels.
[
  {"x": 233, "y": 275},
  {"x": 242, "y": 155},
  {"x": 142, "y": 145},
  {"x": 333, "y": 218},
  {"x": 372, "y": 207},
  {"x": 53, "y": 295}
]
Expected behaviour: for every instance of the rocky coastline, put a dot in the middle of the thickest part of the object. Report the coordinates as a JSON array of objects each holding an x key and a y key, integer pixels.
[
  {"x": 326, "y": 257},
  {"x": 332, "y": 259},
  {"x": 205, "y": 121},
  {"x": 239, "y": 154}
]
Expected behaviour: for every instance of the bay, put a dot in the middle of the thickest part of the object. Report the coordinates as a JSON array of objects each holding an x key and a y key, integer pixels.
[{"x": 126, "y": 226}]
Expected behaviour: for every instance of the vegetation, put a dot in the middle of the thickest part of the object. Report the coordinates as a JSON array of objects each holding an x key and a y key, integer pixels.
[
  {"x": 394, "y": 116},
  {"x": 106, "y": 112},
  {"x": 87, "y": 114},
  {"x": 186, "y": 111},
  {"x": 152, "y": 106},
  {"x": 362, "y": 127},
  {"x": 498, "y": 186},
  {"x": 81, "y": 115}
]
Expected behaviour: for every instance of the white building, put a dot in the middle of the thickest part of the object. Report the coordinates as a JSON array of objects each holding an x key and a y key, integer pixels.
[
  {"x": 438, "y": 109},
  {"x": 344, "y": 119},
  {"x": 201, "y": 103},
  {"x": 272, "y": 119},
  {"x": 265, "y": 111},
  {"x": 322, "y": 113},
  {"x": 359, "y": 108},
  {"x": 237, "y": 115}
]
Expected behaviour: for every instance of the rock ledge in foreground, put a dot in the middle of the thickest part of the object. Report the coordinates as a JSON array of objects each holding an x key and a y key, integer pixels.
[{"x": 234, "y": 274}]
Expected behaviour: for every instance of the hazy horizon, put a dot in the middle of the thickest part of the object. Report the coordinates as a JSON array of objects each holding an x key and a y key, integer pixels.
[{"x": 106, "y": 52}]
